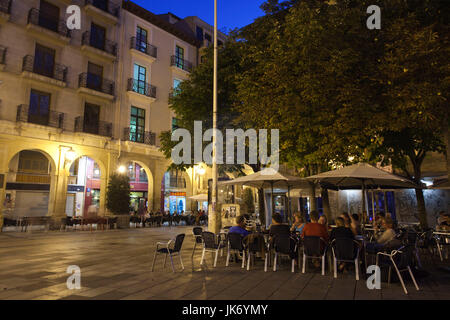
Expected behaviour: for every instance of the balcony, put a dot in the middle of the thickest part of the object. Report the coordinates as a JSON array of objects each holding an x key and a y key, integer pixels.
[
  {"x": 94, "y": 85},
  {"x": 5, "y": 10},
  {"x": 105, "y": 49},
  {"x": 52, "y": 119},
  {"x": 180, "y": 64},
  {"x": 141, "y": 89},
  {"x": 143, "y": 49},
  {"x": 55, "y": 74},
  {"x": 148, "y": 138},
  {"x": 48, "y": 28},
  {"x": 3, "y": 51},
  {"x": 101, "y": 128},
  {"x": 103, "y": 10}
]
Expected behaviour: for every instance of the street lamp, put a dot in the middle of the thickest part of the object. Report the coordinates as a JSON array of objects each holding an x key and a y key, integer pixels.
[{"x": 122, "y": 169}]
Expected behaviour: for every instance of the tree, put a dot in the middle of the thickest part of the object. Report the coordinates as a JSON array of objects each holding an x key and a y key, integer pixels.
[
  {"x": 249, "y": 201},
  {"x": 118, "y": 194}
]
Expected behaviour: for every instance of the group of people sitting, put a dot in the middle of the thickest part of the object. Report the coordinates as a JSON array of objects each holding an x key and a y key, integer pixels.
[
  {"x": 159, "y": 218},
  {"x": 346, "y": 226}
]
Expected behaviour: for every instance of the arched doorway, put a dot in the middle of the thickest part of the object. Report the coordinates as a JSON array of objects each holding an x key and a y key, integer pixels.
[
  {"x": 28, "y": 184},
  {"x": 174, "y": 192},
  {"x": 83, "y": 187},
  {"x": 139, "y": 187}
]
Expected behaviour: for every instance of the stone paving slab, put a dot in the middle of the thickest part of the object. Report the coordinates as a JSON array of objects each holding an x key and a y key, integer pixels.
[{"x": 116, "y": 265}]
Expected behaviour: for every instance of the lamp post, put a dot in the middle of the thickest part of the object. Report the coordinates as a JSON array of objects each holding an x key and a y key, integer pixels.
[{"x": 214, "y": 222}]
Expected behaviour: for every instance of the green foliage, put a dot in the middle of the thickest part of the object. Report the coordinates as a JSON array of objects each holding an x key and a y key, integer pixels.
[{"x": 118, "y": 194}]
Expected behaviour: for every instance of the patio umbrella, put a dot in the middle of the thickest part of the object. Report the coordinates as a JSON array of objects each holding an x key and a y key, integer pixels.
[
  {"x": 362, "y": 176},
  {"x": 269, "y": 177},
  {"x": 441, "y": 184}
]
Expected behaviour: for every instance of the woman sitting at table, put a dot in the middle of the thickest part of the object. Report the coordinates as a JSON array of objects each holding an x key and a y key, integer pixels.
[
  {"x": 355, "y": 224},
  {"x": 299, "y": 223},
  {"x": 346, "y": 217},
  {"x": 341, "y": 231}
]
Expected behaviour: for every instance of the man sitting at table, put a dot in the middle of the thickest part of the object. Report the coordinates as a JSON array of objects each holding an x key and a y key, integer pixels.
[
  {"x": 239, "y": 227},
  {"x": 315, "y": 229},
  {"x": 389, "y": 234},
  {"x": 278, "y": 227}
]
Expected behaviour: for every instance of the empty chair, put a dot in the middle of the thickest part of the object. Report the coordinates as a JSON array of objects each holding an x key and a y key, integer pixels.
[
  {"x": 211, "y": 245},
  {"x": 235, "y": 245},
  {"x": 284, "y": 245},
  {"x": 255, "y": 243},
  {"x": 345, "y": 250},
  {"x": 165, "y": 248},
  {"x": 197, "y": 233},
  {"x": 401, "y": 260},
  {"x": 314, "y": 248},
  {"x": 66, "y": 222},
  {"x": 442, "y": 243}
]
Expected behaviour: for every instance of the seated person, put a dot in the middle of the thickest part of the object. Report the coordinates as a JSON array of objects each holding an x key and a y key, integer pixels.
[
  {"x": 278, "y": 227},
  {"x": 341, "y": 231},
  {"x": 324, "y": 221},
  {"x": 299, "y": 223},
  {"x": 388, "y": 234},
  {"x": 239, "y": 227},
  {"x": 355, "y": 224},
  {"x": 346, "y": 217},
  {"x": 315, "y": 229},
  {"x": 443, "y": 221}
]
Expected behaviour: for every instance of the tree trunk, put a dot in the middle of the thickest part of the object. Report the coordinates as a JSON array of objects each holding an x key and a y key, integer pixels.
[
  {"x": 261, "y": 206},
  {"x": 313, "y": 201},
  {"x": 326, "y": 204},
  {"x": 422, "y": 210}
]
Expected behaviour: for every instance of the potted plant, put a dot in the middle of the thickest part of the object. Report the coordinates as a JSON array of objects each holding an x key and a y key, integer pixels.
[{"x": 118, "y": 199}]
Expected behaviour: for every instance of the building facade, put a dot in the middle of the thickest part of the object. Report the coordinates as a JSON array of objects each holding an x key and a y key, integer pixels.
[{"x": 77, "y": 105}]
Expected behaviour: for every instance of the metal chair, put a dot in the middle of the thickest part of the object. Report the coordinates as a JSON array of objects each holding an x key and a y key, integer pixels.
[
  {"x": 401, "y": 260},
  {"x": 442, "y": 243},
  {"x": 211, "y": 245},
  {"x": 314, "y": 248},
  {"x": 285, "y": 245},
  {"x": 197, "y": 233},
  {"x": 345, "y": 250},
  {"x": 168, "y": 251},
  {"x": 236, "y": 245}
]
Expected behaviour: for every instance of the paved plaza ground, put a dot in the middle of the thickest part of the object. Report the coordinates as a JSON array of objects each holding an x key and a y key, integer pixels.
[{"x": 116, "y": 264}]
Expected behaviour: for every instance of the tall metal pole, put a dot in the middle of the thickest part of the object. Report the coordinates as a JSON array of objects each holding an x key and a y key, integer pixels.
[{"x": 215, "y": 227}]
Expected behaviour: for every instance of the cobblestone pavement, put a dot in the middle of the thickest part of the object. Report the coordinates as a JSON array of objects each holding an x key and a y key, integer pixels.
[{"x": 116, "y": 264}]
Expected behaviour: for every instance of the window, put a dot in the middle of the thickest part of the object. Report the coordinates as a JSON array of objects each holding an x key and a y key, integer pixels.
[
  {"x": 101, "y": 4},
  {"x": 179, "y": 57},
  {"x": 91, "y": 118},
  {"x": 44, "y": 61},
  {"x": 48, "y": 16},
  {"x": 132, "y": 171},
  {"x": 137, "y": 125},
  {"x": 140, "y": 79},
  {"x": 142, "y": 175},
  {"x": 141, "y": 39},
  {"x": 199, "y": 33},
  {"x": 95, "y": 76},
  {"x": 39, "y": 107},
  {"x": 174, "y": 124},
  {"x": 98, "y": 37}
]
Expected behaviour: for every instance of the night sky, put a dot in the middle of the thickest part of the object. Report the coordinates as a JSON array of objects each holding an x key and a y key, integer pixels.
[{"x": 231, "y": 13}]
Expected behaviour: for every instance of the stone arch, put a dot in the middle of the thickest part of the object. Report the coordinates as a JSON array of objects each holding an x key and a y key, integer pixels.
[{"x": 150, "y": 177}]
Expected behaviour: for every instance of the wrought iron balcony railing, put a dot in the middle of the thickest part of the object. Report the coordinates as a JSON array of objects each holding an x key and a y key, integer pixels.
[
  {"x": 146, "y": 137},
  {"x": 3, "y": 51},
  {"x": 46, "y": 21},
  {"x": 49, "y": 118},
  {"x": 181, "y": 63},
  {"x": 55, "y": 71},
  {"x": 95, "y": 82},
  {"x": 5, "y": 6},
  {"x": 105, "y": 5},
  {"x": 144, "y": 47},
  {"x": 108, "y": 46},
  {"x": 141, "y": 87},
  {"x": 100, "y": 128}
]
